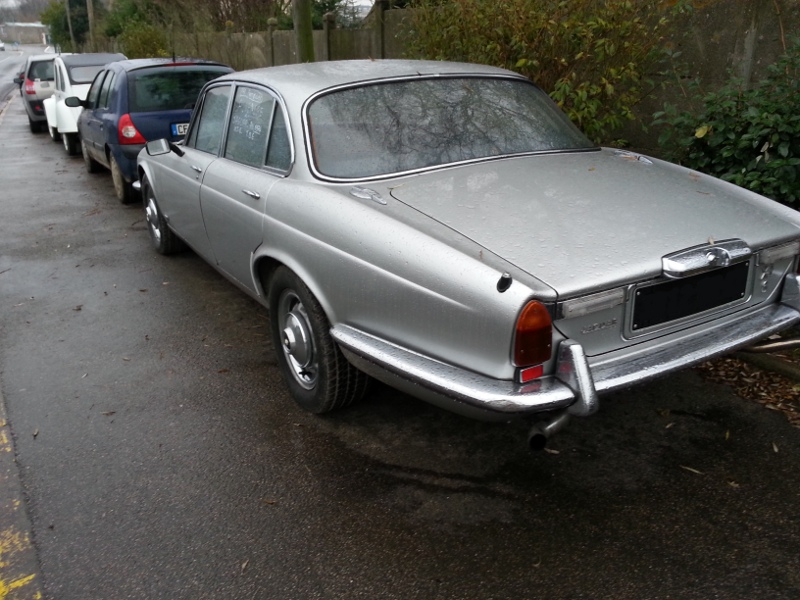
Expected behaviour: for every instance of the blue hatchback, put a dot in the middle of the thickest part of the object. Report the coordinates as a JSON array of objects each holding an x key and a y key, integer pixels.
[{"x": 133, "y": 101}]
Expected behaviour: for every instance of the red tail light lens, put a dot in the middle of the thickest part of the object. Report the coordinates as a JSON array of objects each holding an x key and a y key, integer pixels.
[
  {"x": 127, "y": 132},
  {"x": 29, "y": 87},
  {"x": 533, "y": 338}
]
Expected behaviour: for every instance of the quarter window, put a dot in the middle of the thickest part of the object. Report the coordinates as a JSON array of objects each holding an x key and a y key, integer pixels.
[{"x": 279, "y": 154}]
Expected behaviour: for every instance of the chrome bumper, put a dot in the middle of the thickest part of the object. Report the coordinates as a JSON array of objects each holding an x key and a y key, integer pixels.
[{"x": 578, "y": 380}]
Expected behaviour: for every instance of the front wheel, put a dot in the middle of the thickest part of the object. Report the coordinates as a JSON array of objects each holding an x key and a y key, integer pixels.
[
  {"x": 318, "y": 375},
  {"x": 164, "y": 241},
  {"x": 92, "y": 166},
  {"x": 70, "y": 143},
  {"x": 54, "y": 135}
]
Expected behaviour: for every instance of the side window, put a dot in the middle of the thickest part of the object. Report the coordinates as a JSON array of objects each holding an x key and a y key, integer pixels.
[
  {"x": 207, "y": 134},
  {"x": 279, "y": 153},
  {"x": 247, "y": 134},
  {"x": 105, "y": 91},
  {"x": 94, "y": 91}
]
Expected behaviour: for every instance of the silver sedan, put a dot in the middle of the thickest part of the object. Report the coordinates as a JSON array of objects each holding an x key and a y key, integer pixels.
[{"x": 445, "y": 229}]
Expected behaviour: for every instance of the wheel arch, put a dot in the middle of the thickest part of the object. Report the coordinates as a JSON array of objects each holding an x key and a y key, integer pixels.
[{"x": 266, "y": 264}]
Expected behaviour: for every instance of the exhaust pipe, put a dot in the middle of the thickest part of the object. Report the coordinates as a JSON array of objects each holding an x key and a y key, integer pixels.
[{"x": 541, "y": 432}]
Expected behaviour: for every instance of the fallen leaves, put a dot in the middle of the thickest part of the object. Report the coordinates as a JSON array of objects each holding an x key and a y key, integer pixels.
[{"x": 772, "y": 391}]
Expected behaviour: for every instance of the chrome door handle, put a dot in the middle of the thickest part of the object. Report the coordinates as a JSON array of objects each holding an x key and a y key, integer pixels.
[
  {"x": 253, "y": 195},
  {"x": 198, "y": 169}
]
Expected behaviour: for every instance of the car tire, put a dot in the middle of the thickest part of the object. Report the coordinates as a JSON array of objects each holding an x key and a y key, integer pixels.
[
  {"x": 36, "y": 126},
  {"x": 319, "y": 377},
  {"x": 54, "y": 135},
  {"x": 122, "y": 188},
  {"x": 164, "y": 240},
  {"x": 92, "y": 166},
  {"x": 70, "y": 141}
]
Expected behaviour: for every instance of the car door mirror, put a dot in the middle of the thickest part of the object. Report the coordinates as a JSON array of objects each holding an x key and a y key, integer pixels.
[
  {"x": 74, "y": 102},
  {"x": 162, "y": 146},
  {"x": 18, "y": 80}
]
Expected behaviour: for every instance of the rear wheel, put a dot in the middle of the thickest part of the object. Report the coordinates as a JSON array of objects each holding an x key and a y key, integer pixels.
[
  {"x": 70, "y": 143},
  {"x": 92, "y": 166},
  {"x": 164, "y": 241},
  {"x": 36, "y": 126},
  {"x": 318, "y": 375},
  {"x": 123, "y": 189},
  {"x": 54, "y": 135}
]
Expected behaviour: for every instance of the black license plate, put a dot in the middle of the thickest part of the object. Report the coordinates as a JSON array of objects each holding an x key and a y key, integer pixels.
[{"x": 681, "y": 298}]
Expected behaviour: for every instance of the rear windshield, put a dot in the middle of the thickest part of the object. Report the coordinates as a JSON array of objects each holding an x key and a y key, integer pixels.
[
  {"x": 41, "y": 70},
  {"x": 168, "y": 88},
  {"x": 399, "y": 126},
  {"x": 84, "y": 74}
]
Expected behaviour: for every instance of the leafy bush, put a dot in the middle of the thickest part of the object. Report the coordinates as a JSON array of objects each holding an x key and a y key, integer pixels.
[
  {"x": 750, "y": 137},
  {"x": 142, "y": 40},
  {"x": 590, "y": 55}
]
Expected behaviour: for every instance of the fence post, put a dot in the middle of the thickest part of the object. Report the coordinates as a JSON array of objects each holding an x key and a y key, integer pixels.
[
  {"x": 272, "y": 25},
  {"x": 380, "y": 7},
  {"x": 328, "y": 25}
]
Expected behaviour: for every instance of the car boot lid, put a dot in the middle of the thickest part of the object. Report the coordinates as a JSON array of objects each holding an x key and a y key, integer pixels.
[{"x": 581, "y": 222}]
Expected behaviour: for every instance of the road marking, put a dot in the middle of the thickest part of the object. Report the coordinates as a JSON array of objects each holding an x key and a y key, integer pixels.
[
  {"x": 18, "y": 563},
  {"x": 3, "y": 110}
]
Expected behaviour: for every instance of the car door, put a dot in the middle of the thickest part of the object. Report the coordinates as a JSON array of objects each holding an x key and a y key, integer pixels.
[
  {"x": 235, "y": 190},
  {"x": 51, "y": 102},
  {"x": 179, "y": 193},
  {"x": 90, "y": 123}
]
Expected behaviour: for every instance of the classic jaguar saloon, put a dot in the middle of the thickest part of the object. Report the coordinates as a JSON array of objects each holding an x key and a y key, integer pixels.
[{"x": 445, "y": 229}]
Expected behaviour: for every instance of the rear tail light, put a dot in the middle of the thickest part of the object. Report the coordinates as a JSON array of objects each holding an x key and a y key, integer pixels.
[
  {"x": 127, "y": 132},
  {"x": 533, "y": 337},
  {"x": 29, "y": 87}
]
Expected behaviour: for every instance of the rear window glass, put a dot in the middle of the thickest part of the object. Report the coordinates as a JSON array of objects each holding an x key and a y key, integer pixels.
[
  {"x": 393, "y": 127},
  {"x": 84, "y": 74},
  {"x": 42, "y": 70},
  {"x": 168, "y": 88}
]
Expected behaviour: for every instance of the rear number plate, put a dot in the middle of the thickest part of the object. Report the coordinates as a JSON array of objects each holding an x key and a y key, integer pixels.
[
  {"x": 679, "y": 298},
  {"x": 179, "y": 128}
]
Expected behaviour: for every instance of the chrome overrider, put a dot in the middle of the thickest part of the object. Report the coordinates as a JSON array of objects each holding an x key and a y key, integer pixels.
[{"x": 577, "y": 381}]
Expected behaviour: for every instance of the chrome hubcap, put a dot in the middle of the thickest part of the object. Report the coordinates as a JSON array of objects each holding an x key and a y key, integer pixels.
[
  {"x": 296, "y": 340},
  {"x": 151, "y": 214}
]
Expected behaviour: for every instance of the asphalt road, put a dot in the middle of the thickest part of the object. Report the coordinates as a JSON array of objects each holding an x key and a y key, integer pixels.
[
  {"x": 11, "y": 61},
  {"x": 158, "y": 455}
]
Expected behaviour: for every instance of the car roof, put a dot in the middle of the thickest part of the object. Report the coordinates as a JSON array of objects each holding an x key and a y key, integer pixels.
[
  {"x": 141, "y": 63},
  {"x": 90, "y": 59},
  {"x": 303, "y": 80},
  {"x": 37, "y": 57}
]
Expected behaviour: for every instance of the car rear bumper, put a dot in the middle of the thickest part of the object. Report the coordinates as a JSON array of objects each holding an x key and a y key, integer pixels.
[
  {"x": 35, "y": 110},
  {"x": 126, "y": 156},
  {"x": 578, "y": 380}
]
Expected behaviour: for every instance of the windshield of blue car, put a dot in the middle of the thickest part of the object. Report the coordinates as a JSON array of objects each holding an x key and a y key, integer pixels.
[
  {"x": 402, "y": 126},
  {"x": 168, "y": 88}
]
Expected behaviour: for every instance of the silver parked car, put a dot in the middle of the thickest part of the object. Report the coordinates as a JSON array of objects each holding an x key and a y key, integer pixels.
[{"x": 445, "y": 229}]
